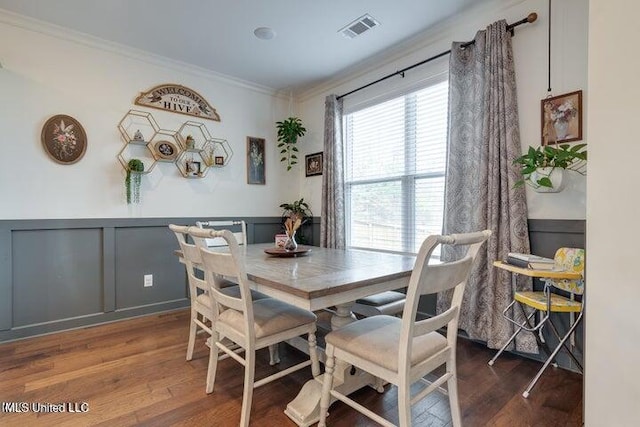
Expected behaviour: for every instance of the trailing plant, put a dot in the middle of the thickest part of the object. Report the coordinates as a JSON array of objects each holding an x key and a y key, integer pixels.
[
  {"x": 565, "y": 156},
  {"x": 133, "y": 180},
  {"x": 289, "y": 131}
]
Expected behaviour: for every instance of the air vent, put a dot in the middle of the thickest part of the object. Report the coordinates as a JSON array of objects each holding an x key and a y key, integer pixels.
[{"x": 359, "y": 26}]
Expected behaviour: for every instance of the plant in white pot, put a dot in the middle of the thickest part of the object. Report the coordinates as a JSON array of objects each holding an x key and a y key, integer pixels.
[{"x": 543, "y": 167}]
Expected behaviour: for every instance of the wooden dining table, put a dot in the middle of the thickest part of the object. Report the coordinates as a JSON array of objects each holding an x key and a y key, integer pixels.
[{"x": 322, "y": 278}]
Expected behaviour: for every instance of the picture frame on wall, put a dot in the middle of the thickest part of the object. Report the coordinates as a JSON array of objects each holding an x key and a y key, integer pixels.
[
  {"x": 64, "y": 139},
  {"x": 256, "y": 160},
  {"x": 313, "y": 164},
  {"x": 562, "y": 118}
]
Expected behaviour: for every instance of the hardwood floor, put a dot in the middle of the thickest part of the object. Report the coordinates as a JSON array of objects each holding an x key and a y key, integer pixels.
[{"x": 134, "y": 373}]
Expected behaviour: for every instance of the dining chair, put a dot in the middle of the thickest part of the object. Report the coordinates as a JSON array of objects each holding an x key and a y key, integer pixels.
[
  {"x": 239, "y": 230},
  {"x": 250, "y": 324},
  {"x": 239, "y": 226},
  {"x": 545, "y": 303},
  {"x": 201, "y": 314},
  {"x": 401, "y": 351},
  {"x": 388, "y": 302}
]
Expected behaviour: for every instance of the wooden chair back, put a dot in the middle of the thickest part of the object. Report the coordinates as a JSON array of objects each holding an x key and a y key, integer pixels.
[{"x": 237, "y": 227}]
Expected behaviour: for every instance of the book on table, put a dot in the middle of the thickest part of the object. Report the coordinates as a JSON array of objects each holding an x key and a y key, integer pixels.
[{"x": 533, "y": 262}]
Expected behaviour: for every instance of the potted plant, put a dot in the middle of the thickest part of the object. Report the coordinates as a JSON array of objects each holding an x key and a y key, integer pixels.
[
  {"x": 296, "y": 214},
  {"x": 543, "y": 167},
  {"x": 132, "y": 181},
  {"x": 289, "y": 131}
]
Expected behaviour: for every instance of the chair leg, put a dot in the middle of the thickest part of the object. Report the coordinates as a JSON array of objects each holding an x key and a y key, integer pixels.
[
  {"x": 566, "y": 347},
  {"x": 327, "y": 385},
  {"x": 247, "y": 395},
  {"x": 404, "y": 403},
  {"x": 193, "y": 328},
  {"x": 213, "y": 363},
  {"x": 562, "y": 342},
  {"x": 313, "y": 355},
  {"x": 452, "y": 389},
  {"x": 525, "y": 323},
  {"x": 274, "y": 354}
]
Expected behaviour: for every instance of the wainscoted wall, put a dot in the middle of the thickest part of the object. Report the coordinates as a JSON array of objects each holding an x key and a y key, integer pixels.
[{"x": 62, "y": 274}]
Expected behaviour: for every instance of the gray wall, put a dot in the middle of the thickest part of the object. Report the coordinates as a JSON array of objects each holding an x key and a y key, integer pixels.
[{"x": 62, "y": 274}]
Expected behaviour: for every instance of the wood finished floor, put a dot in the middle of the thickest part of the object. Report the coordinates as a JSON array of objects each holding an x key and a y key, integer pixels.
[{"x": 134, "y": 373}]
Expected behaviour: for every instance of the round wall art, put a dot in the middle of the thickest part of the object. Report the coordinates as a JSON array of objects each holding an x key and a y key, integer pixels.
[{"x": 64, "y": 139}]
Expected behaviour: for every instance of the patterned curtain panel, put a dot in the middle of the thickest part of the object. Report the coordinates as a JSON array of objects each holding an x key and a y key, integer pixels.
[
  {"x": 484, "y": 139},
  {"x": 332, "y": 221}
]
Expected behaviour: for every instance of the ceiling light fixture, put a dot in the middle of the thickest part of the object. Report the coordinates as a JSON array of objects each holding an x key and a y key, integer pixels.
[{"x": 264, "y": 33}]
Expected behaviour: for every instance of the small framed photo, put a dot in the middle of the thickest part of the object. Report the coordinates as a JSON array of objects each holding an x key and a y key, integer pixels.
[
  {"x": 255, "y": 160},
  {"x": 562, "y": 118},
  {"x": 165, "y": 151},
  {"x": 313, "y": 164},
  {"x": 281, "y": 239},
  {"x": 193, "y": 168},
  {"x": 218, "y": 161}
]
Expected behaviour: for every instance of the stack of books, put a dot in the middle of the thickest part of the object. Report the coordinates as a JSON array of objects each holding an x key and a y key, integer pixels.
[{"x": 533, "y": 262}]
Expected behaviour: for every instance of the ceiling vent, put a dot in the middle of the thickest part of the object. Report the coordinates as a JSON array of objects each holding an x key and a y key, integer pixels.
[{"x": 359, "y": 26}]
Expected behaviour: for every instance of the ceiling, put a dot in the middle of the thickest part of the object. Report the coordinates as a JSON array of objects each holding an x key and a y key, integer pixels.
[{"x": 217, "y": 35}]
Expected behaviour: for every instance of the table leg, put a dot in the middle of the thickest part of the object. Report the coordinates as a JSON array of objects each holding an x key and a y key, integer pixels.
[{"x": 304, "y": 410}]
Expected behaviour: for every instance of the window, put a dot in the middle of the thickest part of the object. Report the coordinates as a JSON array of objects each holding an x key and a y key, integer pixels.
[{"x": 395, "y": 164}]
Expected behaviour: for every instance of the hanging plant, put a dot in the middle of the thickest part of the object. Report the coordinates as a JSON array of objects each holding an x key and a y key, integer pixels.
[
  {"x": 133, "y": 180},
  {"x": 289, "y": 131},
  {"x": 537, "y": 164}
]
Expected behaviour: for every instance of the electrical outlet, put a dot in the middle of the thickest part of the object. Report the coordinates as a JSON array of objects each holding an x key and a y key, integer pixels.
[{"x": 148, "y": 280}]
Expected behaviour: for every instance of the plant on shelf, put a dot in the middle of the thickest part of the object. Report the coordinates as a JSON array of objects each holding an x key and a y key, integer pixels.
[
  {"x": 296, "y": 213},
  {"x": 289, "y": 130},
  {"x": 132, "y": 181},
  {"x": 539, "y": 166}
]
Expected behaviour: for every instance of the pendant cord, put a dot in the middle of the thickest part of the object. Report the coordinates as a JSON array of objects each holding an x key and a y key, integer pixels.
[{"x": 549, "y": 52}]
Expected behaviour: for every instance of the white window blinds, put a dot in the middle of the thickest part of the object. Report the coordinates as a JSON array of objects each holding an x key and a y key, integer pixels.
[{"x": 395, "y": 164}]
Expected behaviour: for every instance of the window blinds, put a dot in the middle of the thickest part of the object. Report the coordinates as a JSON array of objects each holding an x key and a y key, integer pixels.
[{"x": 395, "y": 164}]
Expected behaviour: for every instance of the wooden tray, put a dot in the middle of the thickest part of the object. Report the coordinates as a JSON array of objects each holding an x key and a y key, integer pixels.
[{"x": 279, "y": 252}]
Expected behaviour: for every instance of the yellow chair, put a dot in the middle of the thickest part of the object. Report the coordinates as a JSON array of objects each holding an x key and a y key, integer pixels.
[{"x": 546, "y": 302}]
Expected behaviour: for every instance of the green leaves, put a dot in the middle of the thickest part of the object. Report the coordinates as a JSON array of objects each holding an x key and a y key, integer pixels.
[
  {"x": 289, "y": 130},
  {"x": 565, "y": 156}
]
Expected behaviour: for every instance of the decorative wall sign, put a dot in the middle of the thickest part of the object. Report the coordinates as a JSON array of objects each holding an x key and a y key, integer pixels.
[
  {"x": 255, "y": 160},
  {"x": 178, "y": 99},
  {"x": 64, "y": 139},
  {"x": 562, "y": 118}
]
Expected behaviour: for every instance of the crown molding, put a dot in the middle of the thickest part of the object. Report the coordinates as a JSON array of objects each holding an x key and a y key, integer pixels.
[
  {"x": 397, "y": 54},
  {"x": 56, "y": 31}
]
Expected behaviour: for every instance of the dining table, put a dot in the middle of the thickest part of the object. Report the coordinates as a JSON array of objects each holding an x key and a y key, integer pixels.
[{"x": 317, "y": 278}]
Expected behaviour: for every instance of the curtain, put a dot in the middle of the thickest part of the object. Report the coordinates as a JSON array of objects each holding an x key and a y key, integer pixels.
[
  {"x": 484, "y": 139},
  {"x": 332, "y": 220}
]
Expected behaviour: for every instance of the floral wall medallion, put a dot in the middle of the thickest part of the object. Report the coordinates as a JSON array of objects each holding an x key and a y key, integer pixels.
[
  {"x": 64, "y": 139},
  {"x": 562, "y": 118}
]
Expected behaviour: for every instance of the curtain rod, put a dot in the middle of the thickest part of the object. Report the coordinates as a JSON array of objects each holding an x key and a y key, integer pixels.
[{"x": 530, "y": 18}]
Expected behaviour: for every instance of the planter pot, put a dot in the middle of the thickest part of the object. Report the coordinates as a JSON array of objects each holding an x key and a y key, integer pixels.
[{"x": 555, "y": 175}]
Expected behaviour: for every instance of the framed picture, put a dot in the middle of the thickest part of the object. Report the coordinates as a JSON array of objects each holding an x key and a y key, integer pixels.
[
  {"x": 218, "y": 161},
  {"x": 165, "y": 150},
  {"x": 193, "y": 168},
  {"x": 562, "y": 118},
  {"x": 313, "y": 164},
  {"x": 64, "y": 139},
  {"x": 255, "y": 160}
]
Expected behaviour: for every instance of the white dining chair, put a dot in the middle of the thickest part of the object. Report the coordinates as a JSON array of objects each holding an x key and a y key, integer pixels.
[
  {"x": 201, "y": 314},
  {"x": 402, "y": 351},
  {"x": 250, "y": 324},
  {"x": 239, "y": 230}
]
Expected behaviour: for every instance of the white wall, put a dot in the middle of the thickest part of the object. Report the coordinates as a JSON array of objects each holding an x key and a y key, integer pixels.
[
  {"x": 48, "y": 70},
  {"x": 569, "y": 73},
  {"x": 612, "y": 381}
]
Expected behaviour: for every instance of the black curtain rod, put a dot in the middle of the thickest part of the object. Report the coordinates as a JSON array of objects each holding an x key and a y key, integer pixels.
[{"x": 530, "y": 18}]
